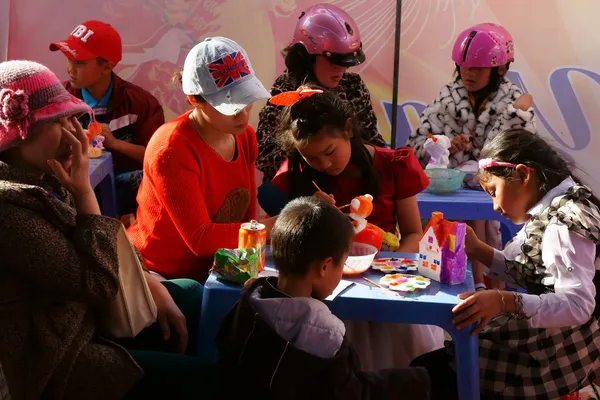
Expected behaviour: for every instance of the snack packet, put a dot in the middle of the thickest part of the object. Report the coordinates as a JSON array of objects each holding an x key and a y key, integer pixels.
[{"x": 236, "y": 265}]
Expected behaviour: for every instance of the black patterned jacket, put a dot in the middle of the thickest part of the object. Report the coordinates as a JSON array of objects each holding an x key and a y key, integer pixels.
[{"x": 351, "y": 88}]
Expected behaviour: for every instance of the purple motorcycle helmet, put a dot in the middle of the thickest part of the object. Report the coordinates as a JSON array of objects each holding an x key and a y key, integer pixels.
[
  {"x": 329, "y": 31},
  {"x": 485, "y": 45}
]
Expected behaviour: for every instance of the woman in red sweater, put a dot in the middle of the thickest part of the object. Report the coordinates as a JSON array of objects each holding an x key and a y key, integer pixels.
[{"x": 199, "y": 169}]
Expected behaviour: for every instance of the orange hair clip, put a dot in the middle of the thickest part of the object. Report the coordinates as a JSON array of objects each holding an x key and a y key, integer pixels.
[{"x": 289, "y": 98}]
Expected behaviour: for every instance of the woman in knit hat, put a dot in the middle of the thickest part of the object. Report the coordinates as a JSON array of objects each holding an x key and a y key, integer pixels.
[{"x": 59, "y": 266}]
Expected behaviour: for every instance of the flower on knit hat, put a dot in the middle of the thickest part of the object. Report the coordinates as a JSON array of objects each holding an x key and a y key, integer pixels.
[{"x": 14, "y": 110}]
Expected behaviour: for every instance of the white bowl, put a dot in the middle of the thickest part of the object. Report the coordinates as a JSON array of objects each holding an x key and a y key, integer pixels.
[
  {"x": 360, "y": 258},
  {"x": 471, "y": 179}
]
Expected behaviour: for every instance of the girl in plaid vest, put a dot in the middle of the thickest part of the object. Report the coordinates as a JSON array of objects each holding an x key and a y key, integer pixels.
[{"x": 546, "y": 343}]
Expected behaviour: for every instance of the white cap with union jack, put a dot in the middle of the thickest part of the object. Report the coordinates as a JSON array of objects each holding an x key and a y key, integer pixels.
[{"x": 219, "y": 70}]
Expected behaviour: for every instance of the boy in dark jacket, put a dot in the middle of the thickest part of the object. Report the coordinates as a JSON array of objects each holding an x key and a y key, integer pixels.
[
  {"x": 281, "y": 341},
  {"x": 129, "y": 114}
]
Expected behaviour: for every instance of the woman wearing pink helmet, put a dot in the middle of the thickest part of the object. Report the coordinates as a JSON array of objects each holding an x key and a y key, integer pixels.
[
  {"x": 475, "y": 107},
  {"x": 325, "y": 44}
]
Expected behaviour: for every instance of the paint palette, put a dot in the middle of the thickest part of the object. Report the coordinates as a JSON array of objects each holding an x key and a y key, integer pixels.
[
  {"x": 390, "y": 265},
  {"x": 404, "y": 283}
]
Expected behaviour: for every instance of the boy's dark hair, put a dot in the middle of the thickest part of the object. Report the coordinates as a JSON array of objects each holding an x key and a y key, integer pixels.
[
  {"x": 321, "y": 113},
  {"x": 178, "y": 78},
  {"x": 298, "y": 62},
  {"x": 307, "y": 230},
  {"x": 519, "y": 146}
]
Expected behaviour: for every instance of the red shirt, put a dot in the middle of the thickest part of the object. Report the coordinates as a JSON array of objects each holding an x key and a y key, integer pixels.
[
  {"x": 399, "y": 176},
  {"x": 192, "y": 201}
]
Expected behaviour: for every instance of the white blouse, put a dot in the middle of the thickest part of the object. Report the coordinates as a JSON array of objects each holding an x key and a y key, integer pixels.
[{"x": 570, "y": 262}]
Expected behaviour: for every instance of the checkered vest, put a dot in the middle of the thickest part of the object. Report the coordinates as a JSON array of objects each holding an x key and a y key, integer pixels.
[{"x": 577, "y": 212}]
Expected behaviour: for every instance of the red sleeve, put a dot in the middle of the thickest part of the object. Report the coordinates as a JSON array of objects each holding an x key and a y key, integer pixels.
[
  {"x": 252, "y": 154},
  {"x": 281, "y": 180},
  {"x": 186, "y": 203},
  {"x": 149, "y": 120},
  {"x": 409, "y": 177}
]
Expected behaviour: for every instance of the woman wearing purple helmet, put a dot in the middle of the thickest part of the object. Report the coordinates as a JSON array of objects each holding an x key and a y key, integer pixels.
[
  {"x": 326, "y": 43},
  {"x": 475, "y": 107}
]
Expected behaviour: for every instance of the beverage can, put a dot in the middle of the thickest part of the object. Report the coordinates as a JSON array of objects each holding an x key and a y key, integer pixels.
[{"x": 253, "y": 234}]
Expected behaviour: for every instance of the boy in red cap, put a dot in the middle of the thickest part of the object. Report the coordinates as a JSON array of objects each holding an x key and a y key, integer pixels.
[{"x": 128, "y": 113}]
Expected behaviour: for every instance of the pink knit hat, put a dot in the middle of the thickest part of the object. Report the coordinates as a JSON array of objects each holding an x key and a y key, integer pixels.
[{"x": 30, "y": 94}]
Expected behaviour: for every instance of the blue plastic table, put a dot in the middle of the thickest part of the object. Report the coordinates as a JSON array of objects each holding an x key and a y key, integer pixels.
[
  {"x": 465, "y": 204},
  {"x": 102, "y": 178},
  {"x": 365, "y": 302}
]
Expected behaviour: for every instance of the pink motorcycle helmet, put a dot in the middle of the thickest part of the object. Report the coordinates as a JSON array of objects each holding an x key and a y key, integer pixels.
[
  {"x": 503, "y": 35},
  {"x": 329, "y": 31},
  {"x": 485, "y": 45}
]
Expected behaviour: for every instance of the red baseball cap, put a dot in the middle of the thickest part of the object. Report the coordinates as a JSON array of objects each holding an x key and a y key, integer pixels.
[{"x": 89, "y": 40}]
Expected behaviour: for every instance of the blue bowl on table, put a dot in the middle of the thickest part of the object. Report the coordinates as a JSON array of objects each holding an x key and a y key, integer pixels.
[{"x": 444, "y": 180}]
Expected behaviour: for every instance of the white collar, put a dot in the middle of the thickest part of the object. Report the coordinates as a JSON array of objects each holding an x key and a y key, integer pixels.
[{"x": 559, "y": 190}]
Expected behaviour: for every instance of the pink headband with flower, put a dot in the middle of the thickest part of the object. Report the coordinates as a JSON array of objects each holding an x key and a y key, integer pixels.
[{"x": 489, "y": 163}]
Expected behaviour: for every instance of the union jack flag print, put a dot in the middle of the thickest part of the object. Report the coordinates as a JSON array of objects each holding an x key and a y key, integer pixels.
[{"x": 229, "y": 69}]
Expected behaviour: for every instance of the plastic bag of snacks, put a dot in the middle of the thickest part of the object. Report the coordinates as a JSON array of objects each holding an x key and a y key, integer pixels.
[{"x": 236, "y": 265}]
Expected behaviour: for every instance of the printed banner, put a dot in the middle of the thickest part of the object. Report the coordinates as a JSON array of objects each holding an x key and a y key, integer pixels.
[{"x": 556, "y": 41}]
